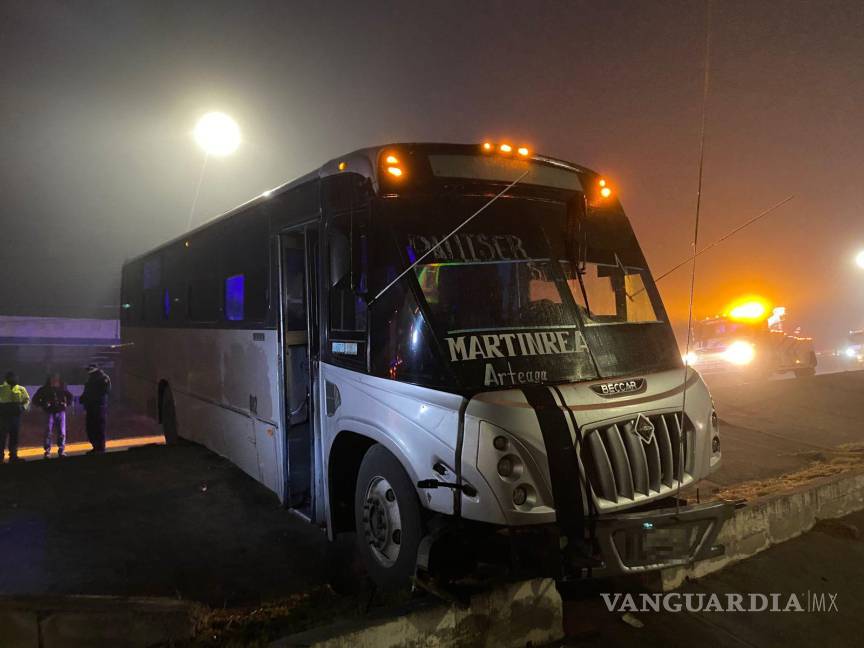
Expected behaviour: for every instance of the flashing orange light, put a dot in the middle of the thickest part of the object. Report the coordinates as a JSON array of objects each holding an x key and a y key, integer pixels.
[
  {"x": 523, "y": 151},
  {"x": 392, "y": 159},
  {"x": 488, "y": 146},
  {"x": 505, "y": 148},
  {"x": 605, "y": 192},
  {"x": 602, "y": 182},
  {"x": 394, "y": 171},
  {"x": 751, "y": 309},
  {"x": 342, "y": 166}
]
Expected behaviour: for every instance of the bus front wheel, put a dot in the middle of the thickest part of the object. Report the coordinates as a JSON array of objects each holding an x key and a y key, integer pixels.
[{"x": 389, "y": 522}]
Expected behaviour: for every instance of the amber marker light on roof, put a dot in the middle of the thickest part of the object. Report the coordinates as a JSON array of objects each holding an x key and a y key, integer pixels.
[
  {"x": 394, "y": 171},
  {"x": 605, "y": 189},
  {"x": 522, "y": 150},
  {"x": 391, "y": 159},
  {"x": 488, "y": 146},
  {"x": 505, "y": 148},
  {"x": 342, "y": 166}
]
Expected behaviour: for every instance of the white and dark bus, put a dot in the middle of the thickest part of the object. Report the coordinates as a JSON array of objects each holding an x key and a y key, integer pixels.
[{"x": 453, "y": 350}]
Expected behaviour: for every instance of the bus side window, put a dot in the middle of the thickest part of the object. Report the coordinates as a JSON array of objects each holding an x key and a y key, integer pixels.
[{"x": 347, "y": 309}]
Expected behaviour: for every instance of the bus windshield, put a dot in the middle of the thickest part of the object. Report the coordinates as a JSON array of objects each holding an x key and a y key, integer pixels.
[{"x": 507, "y": 304}]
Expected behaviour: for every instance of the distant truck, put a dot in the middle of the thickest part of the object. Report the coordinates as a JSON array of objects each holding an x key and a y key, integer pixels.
[
  {"x": 854, "y": 350},
  {"x": 749, "y": 341}
]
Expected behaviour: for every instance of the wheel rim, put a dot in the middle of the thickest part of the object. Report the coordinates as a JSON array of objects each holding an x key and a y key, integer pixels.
[{"x": 382, "y": 522}]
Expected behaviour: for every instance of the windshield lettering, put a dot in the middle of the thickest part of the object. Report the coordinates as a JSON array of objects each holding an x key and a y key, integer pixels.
[
  {"x": 509, "y": 345},
  {"x": 511, "y": 378},
  {"x": 471, "y": 247}
]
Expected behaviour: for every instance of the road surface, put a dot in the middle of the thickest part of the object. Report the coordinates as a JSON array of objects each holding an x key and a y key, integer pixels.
[
  {"x": 829, "y": 560},
  {"x": 777, "y": 426}
]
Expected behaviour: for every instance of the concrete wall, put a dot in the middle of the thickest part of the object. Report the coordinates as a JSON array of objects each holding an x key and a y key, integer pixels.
[
  {"x": 83, "y": 621},
  {"x": 59, "y": 328},
  {"x": 510, "y": 616},
  {"x": 774, "y": 519}
]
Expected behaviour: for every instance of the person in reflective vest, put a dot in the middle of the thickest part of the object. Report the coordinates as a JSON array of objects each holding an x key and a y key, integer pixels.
[
  {"x": 14, "y": 401},
  {"x": 54, "y": 398},
  {"x": 95, "y": 402}
]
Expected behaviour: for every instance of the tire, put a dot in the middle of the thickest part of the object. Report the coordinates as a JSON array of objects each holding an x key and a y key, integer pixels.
[
  {"x": 805, "y": 372},
  {"x": 388, "y": 530},
  {"x": 169, "y": 418}
]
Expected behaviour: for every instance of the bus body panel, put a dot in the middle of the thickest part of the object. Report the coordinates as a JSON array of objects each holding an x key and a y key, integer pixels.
[
  {"x": 416, "y": 424},
  {"x": 217, "y": 377},
  {"x": 419, "y": 426},
  {"x": 508, "y": 413}
]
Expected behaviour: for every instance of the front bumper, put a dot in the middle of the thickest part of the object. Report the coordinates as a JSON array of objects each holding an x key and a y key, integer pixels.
[
  {"x": 656, "y": 539},
  {"x": 623, "y": 543}
]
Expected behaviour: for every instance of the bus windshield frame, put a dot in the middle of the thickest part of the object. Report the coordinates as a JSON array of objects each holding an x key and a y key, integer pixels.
[{"x": 530, "y": 242}]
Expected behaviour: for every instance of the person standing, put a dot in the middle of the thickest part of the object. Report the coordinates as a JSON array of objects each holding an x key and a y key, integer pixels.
[
  {"x": 54, "y": 398},
  {"x": 95, "y": 402},
  {"x": 14, "y": 401}
]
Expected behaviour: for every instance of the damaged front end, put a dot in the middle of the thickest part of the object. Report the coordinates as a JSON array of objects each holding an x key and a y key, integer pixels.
[{"x": 603, "y": 481}]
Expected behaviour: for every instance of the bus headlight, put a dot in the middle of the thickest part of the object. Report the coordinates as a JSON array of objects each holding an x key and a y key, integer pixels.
[
  {"x": 740, "y": 353},
  {"x": 524, "y": 496},
  {"x": 510, "y": 467},
  {"x": 510, "y": 470}
]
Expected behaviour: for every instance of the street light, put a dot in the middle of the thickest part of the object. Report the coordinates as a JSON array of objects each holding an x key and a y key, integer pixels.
[
  {"x": 859, "y": 259},
  {"x": 218, "y": 135}
]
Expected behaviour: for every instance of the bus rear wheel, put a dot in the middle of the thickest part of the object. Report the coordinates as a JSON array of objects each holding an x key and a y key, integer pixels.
[
  {"x": 169, "y": 417},
  {"x": 388, "y": 518}
]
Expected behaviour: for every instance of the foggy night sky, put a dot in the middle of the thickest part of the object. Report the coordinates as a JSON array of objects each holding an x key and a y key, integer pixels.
[{"x": 98, "y": 100}]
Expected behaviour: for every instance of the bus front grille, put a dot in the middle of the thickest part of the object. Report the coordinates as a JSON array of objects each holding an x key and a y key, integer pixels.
[{"x": 621, "y": 466}]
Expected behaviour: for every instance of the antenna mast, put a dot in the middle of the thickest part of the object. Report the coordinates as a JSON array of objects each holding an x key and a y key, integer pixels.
[{"x": 705, "y": 89}]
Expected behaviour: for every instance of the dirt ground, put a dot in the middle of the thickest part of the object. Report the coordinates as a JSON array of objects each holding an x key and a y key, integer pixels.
[{"x": 155, "y": 521}]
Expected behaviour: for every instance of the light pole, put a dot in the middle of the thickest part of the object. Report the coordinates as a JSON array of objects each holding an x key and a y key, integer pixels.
[{"x": 217, "y": 135}]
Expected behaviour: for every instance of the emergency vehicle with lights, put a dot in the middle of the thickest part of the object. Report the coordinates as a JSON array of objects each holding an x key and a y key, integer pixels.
[
  {"x": 749, "y": 339},
  {"x": 456, "y": 351},
  {"x": 854, "y": 349}
]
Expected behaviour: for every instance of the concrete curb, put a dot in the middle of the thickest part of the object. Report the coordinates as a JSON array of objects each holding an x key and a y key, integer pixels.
[
  {"x": 774, "y": 519},
  {"x": 84, "y": 621},
  {"x": 521, "y": 614},
  {"x": 513, "y": 615}
]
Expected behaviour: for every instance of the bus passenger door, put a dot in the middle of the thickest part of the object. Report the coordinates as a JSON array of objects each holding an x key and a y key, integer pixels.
[{"x": 298, "y": 262}]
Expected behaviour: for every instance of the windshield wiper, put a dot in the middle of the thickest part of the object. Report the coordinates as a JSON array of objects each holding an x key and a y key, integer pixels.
[{"x": 443, "y": 240}]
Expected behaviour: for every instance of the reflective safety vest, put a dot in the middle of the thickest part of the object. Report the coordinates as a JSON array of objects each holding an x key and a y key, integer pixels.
[{"x": 13, "y": 400}]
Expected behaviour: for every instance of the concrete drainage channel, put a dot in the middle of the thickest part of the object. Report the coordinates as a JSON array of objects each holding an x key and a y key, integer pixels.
[{"x": 514, "y": 615}]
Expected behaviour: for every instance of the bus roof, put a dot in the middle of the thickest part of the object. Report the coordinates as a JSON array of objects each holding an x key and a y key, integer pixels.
[{"x": 362, "y": 161}]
